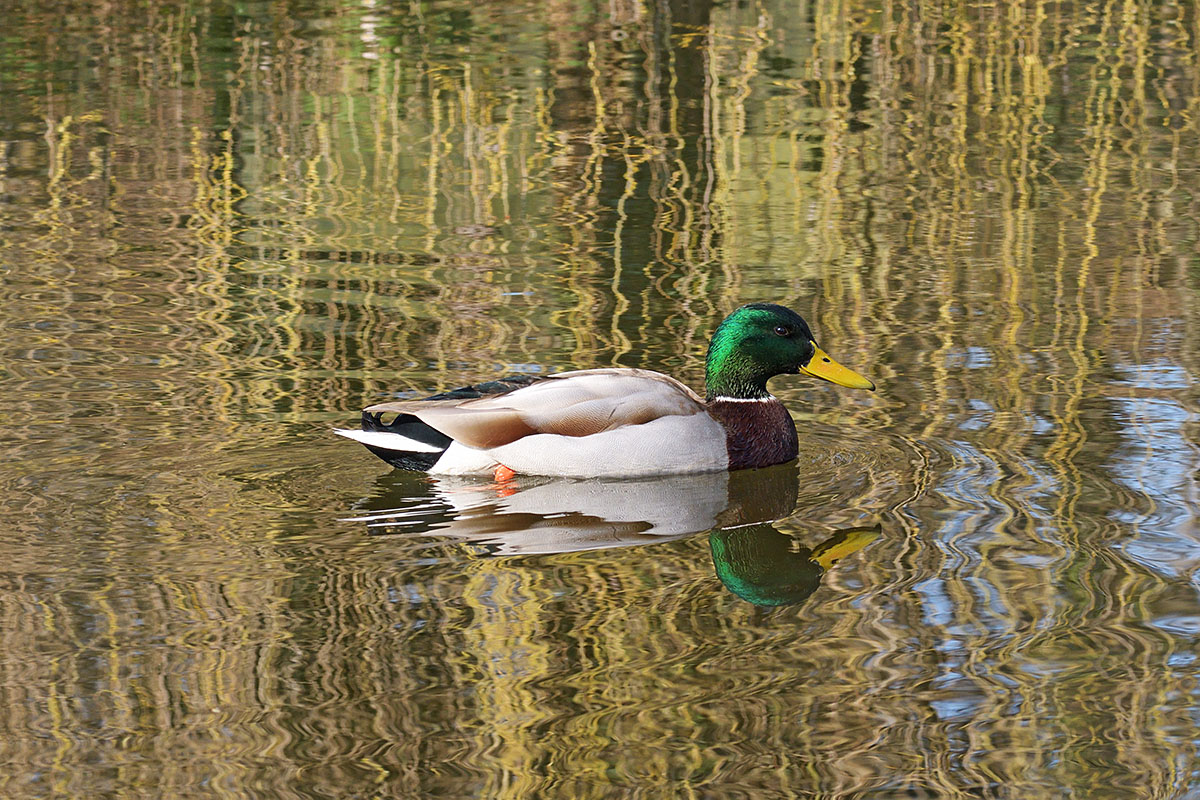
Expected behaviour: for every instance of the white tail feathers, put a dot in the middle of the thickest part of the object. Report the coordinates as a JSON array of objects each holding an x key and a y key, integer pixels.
[{"x": 388, "y": 441}]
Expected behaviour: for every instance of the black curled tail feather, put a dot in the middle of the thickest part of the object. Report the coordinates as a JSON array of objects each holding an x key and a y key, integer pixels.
[{"x": 408, "y": 426}]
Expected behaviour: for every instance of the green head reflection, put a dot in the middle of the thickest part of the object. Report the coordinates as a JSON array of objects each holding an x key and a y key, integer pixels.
[{"x": 765, "y": 567}]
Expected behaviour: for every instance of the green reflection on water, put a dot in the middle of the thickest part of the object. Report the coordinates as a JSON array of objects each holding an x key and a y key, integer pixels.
[
  {"x": 762, "y": 566},
  {"x": 225, "y": 228}
]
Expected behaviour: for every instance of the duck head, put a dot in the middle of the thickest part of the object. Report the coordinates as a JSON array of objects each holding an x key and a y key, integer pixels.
[{"x": 761, "y": 340}]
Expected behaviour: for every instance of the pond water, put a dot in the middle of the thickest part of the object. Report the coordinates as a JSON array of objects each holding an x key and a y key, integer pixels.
[{"x": 225, "y": 228}]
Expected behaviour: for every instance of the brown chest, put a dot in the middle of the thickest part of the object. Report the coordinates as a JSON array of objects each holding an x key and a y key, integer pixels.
[{"x": 757, "y": 434}]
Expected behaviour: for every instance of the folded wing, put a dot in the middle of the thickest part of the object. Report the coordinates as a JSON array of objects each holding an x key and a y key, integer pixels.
[{"x": 575, "y": 404}]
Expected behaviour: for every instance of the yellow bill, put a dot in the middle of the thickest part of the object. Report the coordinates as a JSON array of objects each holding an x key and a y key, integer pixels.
[{"x": 824, "y": 367}]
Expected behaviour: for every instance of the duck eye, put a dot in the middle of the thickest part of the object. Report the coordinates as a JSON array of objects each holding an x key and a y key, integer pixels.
[{"x": 783, "y": 330}]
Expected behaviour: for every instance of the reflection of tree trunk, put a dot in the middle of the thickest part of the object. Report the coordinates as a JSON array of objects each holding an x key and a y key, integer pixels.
[
  {"x": 572, "y": 109},
  {"x": 694, "y": 98},
  {"x": 687, "y": 16},
  {"x": 629, "y": 111},
  {"x": 675, "y": 86}
]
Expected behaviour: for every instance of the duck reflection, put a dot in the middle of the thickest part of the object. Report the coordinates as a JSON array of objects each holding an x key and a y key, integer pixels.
[
  {"x": 765, "y": 567},
  {"x": 529, "y": 516}
]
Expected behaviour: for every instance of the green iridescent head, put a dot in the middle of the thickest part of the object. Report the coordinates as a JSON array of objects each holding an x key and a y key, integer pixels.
[{"x": 760, "y": 341}]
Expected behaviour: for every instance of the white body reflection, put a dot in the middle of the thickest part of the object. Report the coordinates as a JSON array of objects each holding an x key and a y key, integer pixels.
[{"x": 545, "y": 515}]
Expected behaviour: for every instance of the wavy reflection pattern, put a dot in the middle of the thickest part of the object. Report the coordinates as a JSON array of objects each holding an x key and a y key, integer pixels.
[{"x": 224, "y": 226}]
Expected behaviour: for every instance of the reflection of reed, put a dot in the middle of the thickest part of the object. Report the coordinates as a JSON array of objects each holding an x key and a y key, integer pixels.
[{"x": 991, "y": 207}]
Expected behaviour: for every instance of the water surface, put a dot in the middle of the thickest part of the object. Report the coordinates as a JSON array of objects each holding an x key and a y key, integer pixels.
[{"x": 226, "y": 228}]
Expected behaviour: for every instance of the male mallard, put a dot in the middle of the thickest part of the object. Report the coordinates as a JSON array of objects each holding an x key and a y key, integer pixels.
[{"x": 619, "y": 422}]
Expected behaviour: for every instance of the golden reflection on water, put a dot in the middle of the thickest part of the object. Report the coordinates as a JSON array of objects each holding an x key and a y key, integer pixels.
[{"x": 224, "y": 230}]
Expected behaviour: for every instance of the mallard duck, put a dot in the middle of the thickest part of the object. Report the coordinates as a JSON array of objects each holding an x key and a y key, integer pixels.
[{"x": 618, "y": 422}]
